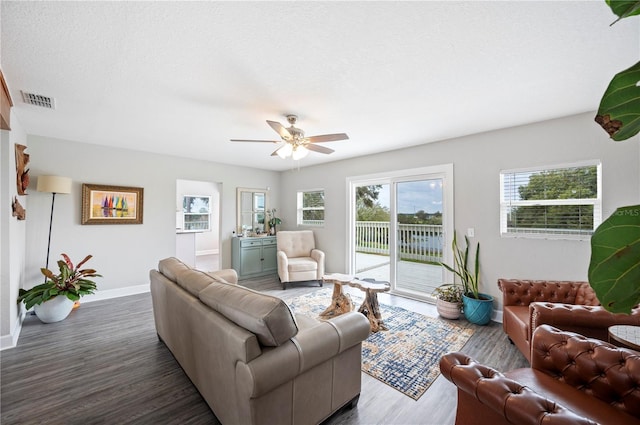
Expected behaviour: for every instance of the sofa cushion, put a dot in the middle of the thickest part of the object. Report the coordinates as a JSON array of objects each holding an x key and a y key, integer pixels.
[
  {"x": 585, "y": 295},
  {"x": 269, "y": 318}
]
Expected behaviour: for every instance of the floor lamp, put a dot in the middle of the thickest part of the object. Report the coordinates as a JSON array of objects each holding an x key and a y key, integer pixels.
[{"x": 53, "y": 184}]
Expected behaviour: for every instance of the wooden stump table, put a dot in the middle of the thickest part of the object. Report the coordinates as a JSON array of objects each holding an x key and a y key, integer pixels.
[
  {"x": 370, "y": 307},
  {"x": 341, "y": 303}
]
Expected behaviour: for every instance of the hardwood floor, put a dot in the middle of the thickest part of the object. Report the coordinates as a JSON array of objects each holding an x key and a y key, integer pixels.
[{"x": 105, "y": 365}]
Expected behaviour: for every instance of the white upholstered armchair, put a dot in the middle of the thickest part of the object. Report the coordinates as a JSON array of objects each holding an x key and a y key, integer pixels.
[{"x": 298, "y": 258}]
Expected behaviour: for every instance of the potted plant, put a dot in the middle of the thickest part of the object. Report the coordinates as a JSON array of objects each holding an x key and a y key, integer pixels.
[
  {"x": 273, "y": 220},
  {"x": 476, "y": 306},
  {"x": 448, "y": 300},
  {"x": 53, "y": 300}
]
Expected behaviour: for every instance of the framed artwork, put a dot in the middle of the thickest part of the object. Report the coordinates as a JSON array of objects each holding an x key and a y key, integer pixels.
[{"x": 103, "y": 204}]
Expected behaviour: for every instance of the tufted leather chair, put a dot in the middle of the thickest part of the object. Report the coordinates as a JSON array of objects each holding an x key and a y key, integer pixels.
[
  {"x": 572, "y": 380},
  {"x": 568, "y": 305}
]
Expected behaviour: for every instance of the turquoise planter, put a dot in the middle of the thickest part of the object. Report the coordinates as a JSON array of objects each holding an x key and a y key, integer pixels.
[{"x": 478, "y": 311}]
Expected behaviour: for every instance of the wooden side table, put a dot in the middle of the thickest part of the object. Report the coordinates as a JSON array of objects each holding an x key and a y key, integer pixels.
[
  {"x": 370, "y": 307},
  {"x": 627, "y": 336},
  {"x": 340, "y": 302}
]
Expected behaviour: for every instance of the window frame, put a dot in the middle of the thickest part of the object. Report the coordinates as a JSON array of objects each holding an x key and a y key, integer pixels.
[
  {"x": 506, "y": 205},
  {"x": 300, "y": 208}
]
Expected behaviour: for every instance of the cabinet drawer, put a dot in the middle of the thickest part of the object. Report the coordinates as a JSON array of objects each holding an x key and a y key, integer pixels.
[
  {"x": 250, "y": 242},
  {"x": 270, "y": 241}
]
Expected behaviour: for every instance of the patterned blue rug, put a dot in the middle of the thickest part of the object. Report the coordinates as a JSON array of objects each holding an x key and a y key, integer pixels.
[{"x": 406, "y": 356}]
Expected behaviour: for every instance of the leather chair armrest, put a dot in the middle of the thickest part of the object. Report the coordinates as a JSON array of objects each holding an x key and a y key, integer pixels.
[
  {"x": 570, "y": 316},
  {"x": 506, "y": 397}
]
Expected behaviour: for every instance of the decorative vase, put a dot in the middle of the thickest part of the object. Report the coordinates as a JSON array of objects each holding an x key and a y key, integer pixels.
[
  {"x": 54, "y": 310},
  {"x": 478, "y": 311},
  {"x": 447, "y": 309}
]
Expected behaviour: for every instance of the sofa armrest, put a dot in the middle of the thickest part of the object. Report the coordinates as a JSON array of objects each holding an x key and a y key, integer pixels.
[
  {"x": 518, "y": 404},
  {"x": 307, "y": 349},
  {"x": 607, "y": 372},
  {"x": 227, "y": 275},
  {"x": 283, "y": 266},
  {"x": 524, "y": 292},
  {"x": 578, "y": 318},
  {"x": 318, "y": 255}
]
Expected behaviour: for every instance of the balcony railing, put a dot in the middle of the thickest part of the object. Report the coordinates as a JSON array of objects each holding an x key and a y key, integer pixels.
[{"x": 417, "y": 242}]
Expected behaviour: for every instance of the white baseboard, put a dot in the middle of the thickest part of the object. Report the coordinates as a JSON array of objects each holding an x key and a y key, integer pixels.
[
  {"x": 115, "y": 293},
  {"x": 10, "y": 341},
  {"x": 496, "y": 316},
  {"x": 207, "y": 252}
]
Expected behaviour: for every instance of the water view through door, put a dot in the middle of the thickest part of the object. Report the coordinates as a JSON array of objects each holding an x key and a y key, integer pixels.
[
  {"x": 420, "y": 238},
  {"x": 404, "y": 250}
]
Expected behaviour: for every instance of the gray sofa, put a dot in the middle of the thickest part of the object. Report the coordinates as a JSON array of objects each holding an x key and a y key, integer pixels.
[{"x": 251, "y": 360}]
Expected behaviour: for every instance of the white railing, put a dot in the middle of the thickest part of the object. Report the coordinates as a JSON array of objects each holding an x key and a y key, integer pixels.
[{"x": 421, "y": 242}]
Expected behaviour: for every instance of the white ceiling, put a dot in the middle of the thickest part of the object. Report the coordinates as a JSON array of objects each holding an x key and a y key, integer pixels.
[{"x": 182, "y": 78}]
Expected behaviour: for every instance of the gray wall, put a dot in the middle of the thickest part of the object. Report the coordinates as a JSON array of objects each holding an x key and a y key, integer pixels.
[
  {"x": 477, "y": 160},
  {"x": 124, "y": 254}
]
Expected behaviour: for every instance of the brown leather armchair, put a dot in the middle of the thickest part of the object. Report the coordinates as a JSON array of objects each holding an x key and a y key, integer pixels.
[
  {"x": 572, "y": 380},
  {"x": 568, "y": 305}
]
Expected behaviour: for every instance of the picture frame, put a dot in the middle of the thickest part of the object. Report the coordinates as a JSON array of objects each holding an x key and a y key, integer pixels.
[{"x": 106, "y": 204}]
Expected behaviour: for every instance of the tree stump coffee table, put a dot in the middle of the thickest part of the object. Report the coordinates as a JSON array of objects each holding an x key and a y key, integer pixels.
[
  {"x": 341, "y": 303},
  {"x": 370, "y": 307}
]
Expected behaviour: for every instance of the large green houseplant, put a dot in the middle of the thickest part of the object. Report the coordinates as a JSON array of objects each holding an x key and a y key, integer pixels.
[
  {"x": 65, "y": 288},
  {"x": 476, "y": 306},
  {"x": 614, "y": 269}
]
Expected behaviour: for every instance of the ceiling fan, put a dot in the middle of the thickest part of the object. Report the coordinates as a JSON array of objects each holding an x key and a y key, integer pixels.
[{"x": 294, "y": 143}]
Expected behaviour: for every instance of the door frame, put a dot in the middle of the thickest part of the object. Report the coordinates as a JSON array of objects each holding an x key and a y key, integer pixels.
[{"x": 444, "y": 171}]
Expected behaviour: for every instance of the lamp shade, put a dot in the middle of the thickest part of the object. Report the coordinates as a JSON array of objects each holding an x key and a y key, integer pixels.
[{"x": 54, "y": 184}]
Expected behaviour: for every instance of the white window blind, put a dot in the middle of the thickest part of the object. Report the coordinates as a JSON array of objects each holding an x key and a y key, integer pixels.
[
  {"x": 311, "y": 208},
  {"x": 552, "y": 202}
]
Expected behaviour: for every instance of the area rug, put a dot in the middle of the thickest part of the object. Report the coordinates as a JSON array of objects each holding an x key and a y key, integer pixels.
[{"x": 406, "y": 356}]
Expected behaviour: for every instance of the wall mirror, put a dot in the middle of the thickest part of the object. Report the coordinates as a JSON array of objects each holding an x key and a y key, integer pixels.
[{"x": 251, "y": 209}]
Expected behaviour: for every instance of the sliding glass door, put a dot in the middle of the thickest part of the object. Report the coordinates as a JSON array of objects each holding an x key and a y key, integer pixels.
[
  {"x": 420, "y": 236},
  {"x": 400, "y": 224}
]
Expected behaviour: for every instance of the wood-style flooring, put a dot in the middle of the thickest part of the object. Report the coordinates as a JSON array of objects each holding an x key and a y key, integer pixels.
[{"x": 105, "y": 365}]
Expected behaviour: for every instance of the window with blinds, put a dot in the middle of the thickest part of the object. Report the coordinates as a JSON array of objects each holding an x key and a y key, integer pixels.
[
  {"x": 311, "y": 208},
  {"x": 562, "y": 202}
]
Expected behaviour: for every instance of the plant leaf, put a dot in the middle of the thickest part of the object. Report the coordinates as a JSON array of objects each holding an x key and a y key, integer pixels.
[
  {"x": 624, "y": 9},
  {"x": 619, "y": 111},
  {"x": 614, "y": 270}
]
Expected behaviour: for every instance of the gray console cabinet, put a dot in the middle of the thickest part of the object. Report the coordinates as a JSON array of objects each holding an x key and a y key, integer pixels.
[{"x": 252, "y": 257}]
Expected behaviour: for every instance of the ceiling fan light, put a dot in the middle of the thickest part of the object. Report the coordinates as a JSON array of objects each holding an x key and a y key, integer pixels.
[
  {"x": 285, "y": 151},
  {"x": 299, "y": 152}
]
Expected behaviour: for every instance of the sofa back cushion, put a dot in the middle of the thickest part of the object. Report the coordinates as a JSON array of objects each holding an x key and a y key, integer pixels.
[
  {"x": 269, "y": 318},
  {"x": 296, "y": 243},
  {"x": 192, "y": 280},
  {"x": 586, "y": 295}
]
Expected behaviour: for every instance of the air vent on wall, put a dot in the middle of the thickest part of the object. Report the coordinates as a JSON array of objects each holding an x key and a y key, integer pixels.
[{"x": 38, "y": 100}]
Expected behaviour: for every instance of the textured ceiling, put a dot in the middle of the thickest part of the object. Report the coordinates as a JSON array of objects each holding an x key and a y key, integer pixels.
[{"x": 182, "y": 78}]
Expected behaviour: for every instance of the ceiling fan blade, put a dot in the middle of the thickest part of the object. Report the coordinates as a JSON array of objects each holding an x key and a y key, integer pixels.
[
  {"x": 317, "y": 148},
  {"x": 275, "y": 153},
  {"x": 261, "y": 141},
  {"x": 327, "y": 138},
  {"x": 280, "y": 129}
]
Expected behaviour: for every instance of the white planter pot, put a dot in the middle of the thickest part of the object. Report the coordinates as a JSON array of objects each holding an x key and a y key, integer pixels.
[
  {"x": 447, "y": 309},
  {"x": 54, "y": 310}
]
